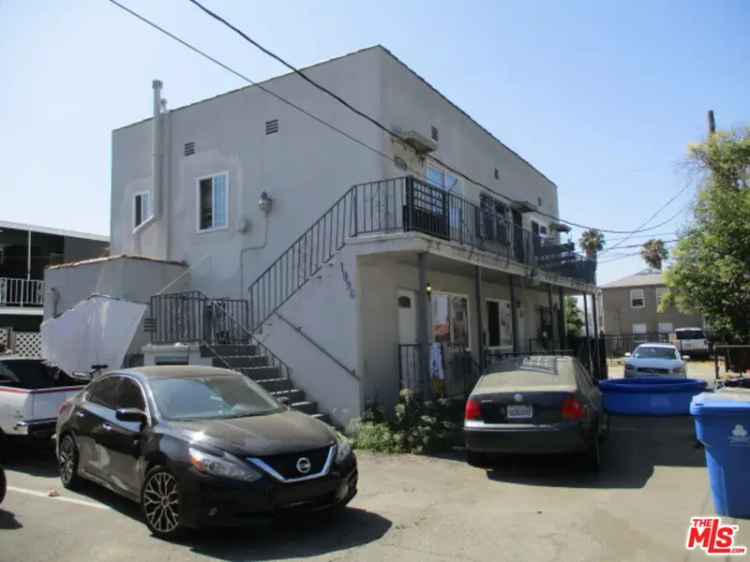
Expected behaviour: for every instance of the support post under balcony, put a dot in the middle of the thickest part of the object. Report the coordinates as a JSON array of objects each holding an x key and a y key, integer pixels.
[
  {"x": 422, "y": 324},
  {"x": 513, "y": 314},
  {"x": 561, "y": 316},
  {"x": 588, "y": 336},
  {"x": 480, "y": 327}
]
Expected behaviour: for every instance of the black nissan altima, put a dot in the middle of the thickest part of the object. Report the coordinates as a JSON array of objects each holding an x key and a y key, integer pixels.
[{"x": 201, "y": 446}]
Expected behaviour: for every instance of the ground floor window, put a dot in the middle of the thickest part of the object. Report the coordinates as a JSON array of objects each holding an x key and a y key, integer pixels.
[
  {"x": 499, "y": 324},
  {"x": 640, "y": 328},
  {"x": 665, "y": 327},
  {"x": 450, "y": 320}
]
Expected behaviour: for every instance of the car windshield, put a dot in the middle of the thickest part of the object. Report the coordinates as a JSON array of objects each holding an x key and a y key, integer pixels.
[
  {"x": 689, "y": 334},
  {"x": 211, "y": 397},
  {"x": 647, "y": 352}
]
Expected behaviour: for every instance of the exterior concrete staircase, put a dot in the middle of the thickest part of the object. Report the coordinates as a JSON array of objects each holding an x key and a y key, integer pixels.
[{"x": 247, "y": 359}]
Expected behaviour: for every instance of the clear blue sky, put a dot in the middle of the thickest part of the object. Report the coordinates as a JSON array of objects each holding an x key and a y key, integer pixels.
[{"x": 603, "y": 97}]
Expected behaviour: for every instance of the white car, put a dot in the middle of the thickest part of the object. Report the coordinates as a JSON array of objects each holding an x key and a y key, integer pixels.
[
  {"x": 691, "y": 341},
  {"x": 31, "y": 394},
  {"x": 655, "y": 359}
]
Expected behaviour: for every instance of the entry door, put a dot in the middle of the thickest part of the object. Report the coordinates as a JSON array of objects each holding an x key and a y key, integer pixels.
[
  {"x": 406, "y": 302},
  {"x": 407, "y": 317}
]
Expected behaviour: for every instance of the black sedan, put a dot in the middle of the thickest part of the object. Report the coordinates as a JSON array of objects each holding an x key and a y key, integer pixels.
[
  {"x": 201, "y": 446},
  {"x": 534, "y": 405}
]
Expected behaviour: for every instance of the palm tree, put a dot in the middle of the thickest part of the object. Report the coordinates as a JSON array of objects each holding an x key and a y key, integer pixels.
[
  {"x": 654, "y": 253},
  {"x": 591, "y": 242}
]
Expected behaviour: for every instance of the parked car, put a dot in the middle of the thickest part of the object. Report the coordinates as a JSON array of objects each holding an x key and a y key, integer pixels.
[
  {"x": 201, "y": 446},
  {"x": 31, "y": 393},
  {"x": 536, "y": 404},
  {"x": 691, "y": 341},
  {"x": 655, "y": 359}
]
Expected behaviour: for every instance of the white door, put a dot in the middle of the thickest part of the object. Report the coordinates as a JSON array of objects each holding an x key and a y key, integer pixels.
[{"x": 407, "y": 317}]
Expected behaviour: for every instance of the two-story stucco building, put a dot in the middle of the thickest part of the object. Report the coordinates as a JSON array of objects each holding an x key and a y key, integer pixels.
[
  {"x": 630, "y": 306},
  {"x": 356, "y": 259}
]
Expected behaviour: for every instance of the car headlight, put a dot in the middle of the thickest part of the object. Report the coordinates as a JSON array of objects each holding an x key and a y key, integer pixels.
[
  {"x": 225, "y": 467},
  {"x": 343, "y": 448}
]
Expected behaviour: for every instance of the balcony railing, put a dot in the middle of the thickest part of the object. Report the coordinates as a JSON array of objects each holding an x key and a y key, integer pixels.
[
  {"x": 409, "y": 204},
  {"x": 21, "y": 292}
]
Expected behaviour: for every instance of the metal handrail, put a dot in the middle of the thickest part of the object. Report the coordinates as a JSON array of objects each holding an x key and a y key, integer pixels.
[
  {"x": 17, "y": 291},
  {"x": 404, "y": 204},
  {"x": 317, "y": 346}
]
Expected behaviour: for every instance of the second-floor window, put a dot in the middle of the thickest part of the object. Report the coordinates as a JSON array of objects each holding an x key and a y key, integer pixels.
[
  {"x": 213, "y": 202},
  {"x": 141, "y": 208},
  {"x": 637, "y": 299}
]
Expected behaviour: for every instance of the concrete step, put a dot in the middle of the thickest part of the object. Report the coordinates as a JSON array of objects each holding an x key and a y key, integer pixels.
[
  {"x": 260, "y": 373},
  {"x": 230, "y": 349},
  {"x": 236, "y": 361},
  {"x": 322, "y": 417},
  {"x": 275, "y": 385},
  {"x": 306, "y": 407},
  {"x": 292, "y": 395}
]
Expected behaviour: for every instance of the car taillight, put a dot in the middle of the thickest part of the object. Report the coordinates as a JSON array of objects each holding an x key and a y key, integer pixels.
[
  {"x": 473, "y": 411},
  {"x": 573, "y": 410}
]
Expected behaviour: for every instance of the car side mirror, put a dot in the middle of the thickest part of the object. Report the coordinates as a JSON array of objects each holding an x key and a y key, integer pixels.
[{"x": 131, "y": 415}]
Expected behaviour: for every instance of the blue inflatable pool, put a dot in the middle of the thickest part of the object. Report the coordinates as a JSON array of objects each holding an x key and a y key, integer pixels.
[{"x": 650, "y": 396}]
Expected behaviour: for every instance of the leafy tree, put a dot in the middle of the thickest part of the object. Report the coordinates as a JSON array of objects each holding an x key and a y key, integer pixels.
[
  {"x": 710, "y": 274},
  {"x": 591, "y": 242},
  {"x": 654, "y": 253},
  {"x": 573, "y": 320}
]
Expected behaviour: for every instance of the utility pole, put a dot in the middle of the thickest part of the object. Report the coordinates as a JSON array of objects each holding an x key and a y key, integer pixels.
[{"x": 711, "y": 122}]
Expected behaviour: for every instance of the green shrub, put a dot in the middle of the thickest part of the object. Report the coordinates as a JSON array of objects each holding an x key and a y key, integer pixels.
[{"x": 416, "y": 426}]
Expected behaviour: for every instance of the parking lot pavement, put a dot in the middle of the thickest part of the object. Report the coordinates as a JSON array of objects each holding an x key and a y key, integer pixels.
[{"x": 413, "y": 508}]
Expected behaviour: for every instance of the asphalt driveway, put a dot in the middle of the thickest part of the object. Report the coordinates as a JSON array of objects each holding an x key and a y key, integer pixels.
[{"x": 413, "y": 508}]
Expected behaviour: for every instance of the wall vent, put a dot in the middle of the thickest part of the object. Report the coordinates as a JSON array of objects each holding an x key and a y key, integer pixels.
[
  {"x": 435, "y": 134},
  {"x": 497, "y": 174},
  {"x": 272, "y": 126},
  {"x": 189, "y": 149}
]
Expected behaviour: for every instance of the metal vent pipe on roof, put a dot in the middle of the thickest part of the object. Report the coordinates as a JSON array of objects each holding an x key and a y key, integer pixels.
[{"x": 156, "y": 150}]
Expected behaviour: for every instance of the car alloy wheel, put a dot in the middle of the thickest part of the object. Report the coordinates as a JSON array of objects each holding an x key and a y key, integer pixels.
[
  {"x": 160, "y": 500},
  {"x": 67, "y": 460}
]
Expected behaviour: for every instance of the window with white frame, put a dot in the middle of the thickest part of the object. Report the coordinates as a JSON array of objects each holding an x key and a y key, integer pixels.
[
  {"x": 213, "y": 202},
  {"x": 142, "y": 209},
  {"x": 637, "y": 298},
  {"x": 449, "y": 183},
  {"x": 640, "y": 329},
  {"x": 665, "y": 327}
]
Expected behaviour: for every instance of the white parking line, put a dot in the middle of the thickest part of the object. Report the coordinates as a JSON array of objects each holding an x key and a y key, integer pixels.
[{"x": 57, "y": 498}]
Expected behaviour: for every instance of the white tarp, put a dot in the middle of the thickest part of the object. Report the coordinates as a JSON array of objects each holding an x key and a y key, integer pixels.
[{"x": 96, "y": 331}]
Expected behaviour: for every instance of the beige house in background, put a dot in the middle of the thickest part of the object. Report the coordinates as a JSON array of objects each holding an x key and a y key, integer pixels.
[{"x": 630, "y": 306}]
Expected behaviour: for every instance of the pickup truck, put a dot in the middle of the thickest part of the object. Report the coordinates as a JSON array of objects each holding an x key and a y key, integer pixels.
[{"x": 31, "y": 394}]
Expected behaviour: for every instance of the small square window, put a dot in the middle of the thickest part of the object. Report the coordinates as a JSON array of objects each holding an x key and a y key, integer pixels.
[
  {"x": 539, "y": 201},
  {"x": 435, "y": 134},
  {"x": 141, "y": 208},
  {"x": 272, "y": 126},
  {"x": 637, "y": 298},
  {"x": 213, "y": 202}
]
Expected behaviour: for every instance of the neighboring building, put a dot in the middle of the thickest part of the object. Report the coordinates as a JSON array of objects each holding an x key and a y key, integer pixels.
[
  {"x": 630, "y": 307},
  {"x": 346, "y": 265},
  {"x": 25, "y": 251}
]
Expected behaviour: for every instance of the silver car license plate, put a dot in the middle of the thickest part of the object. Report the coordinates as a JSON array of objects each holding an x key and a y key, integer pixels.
[{"x": 519, "y": 412}]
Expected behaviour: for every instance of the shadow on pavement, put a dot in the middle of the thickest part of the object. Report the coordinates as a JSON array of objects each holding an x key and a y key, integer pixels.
[
  {"x": 8, "y": 521},
  {"x": 33, "y": 457},
  {"x": 634, "y": 447},
  {"x": 292, "y": 538}
]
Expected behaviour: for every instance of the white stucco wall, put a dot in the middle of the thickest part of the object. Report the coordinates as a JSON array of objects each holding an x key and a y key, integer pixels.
[{"x": 304, "y": 167}]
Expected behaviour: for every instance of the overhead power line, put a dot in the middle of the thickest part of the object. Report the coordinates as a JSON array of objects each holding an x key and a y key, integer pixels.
[{"x": 340, "y": 100}]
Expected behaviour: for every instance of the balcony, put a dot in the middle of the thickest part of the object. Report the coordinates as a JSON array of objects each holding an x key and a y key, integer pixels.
[
  {"x": 410, "y": 205},
  {"x": 19, "y": 292}
]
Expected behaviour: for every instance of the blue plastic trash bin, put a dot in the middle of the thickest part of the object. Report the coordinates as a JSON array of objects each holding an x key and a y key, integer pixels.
[{"x": 722, "y": 424}]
